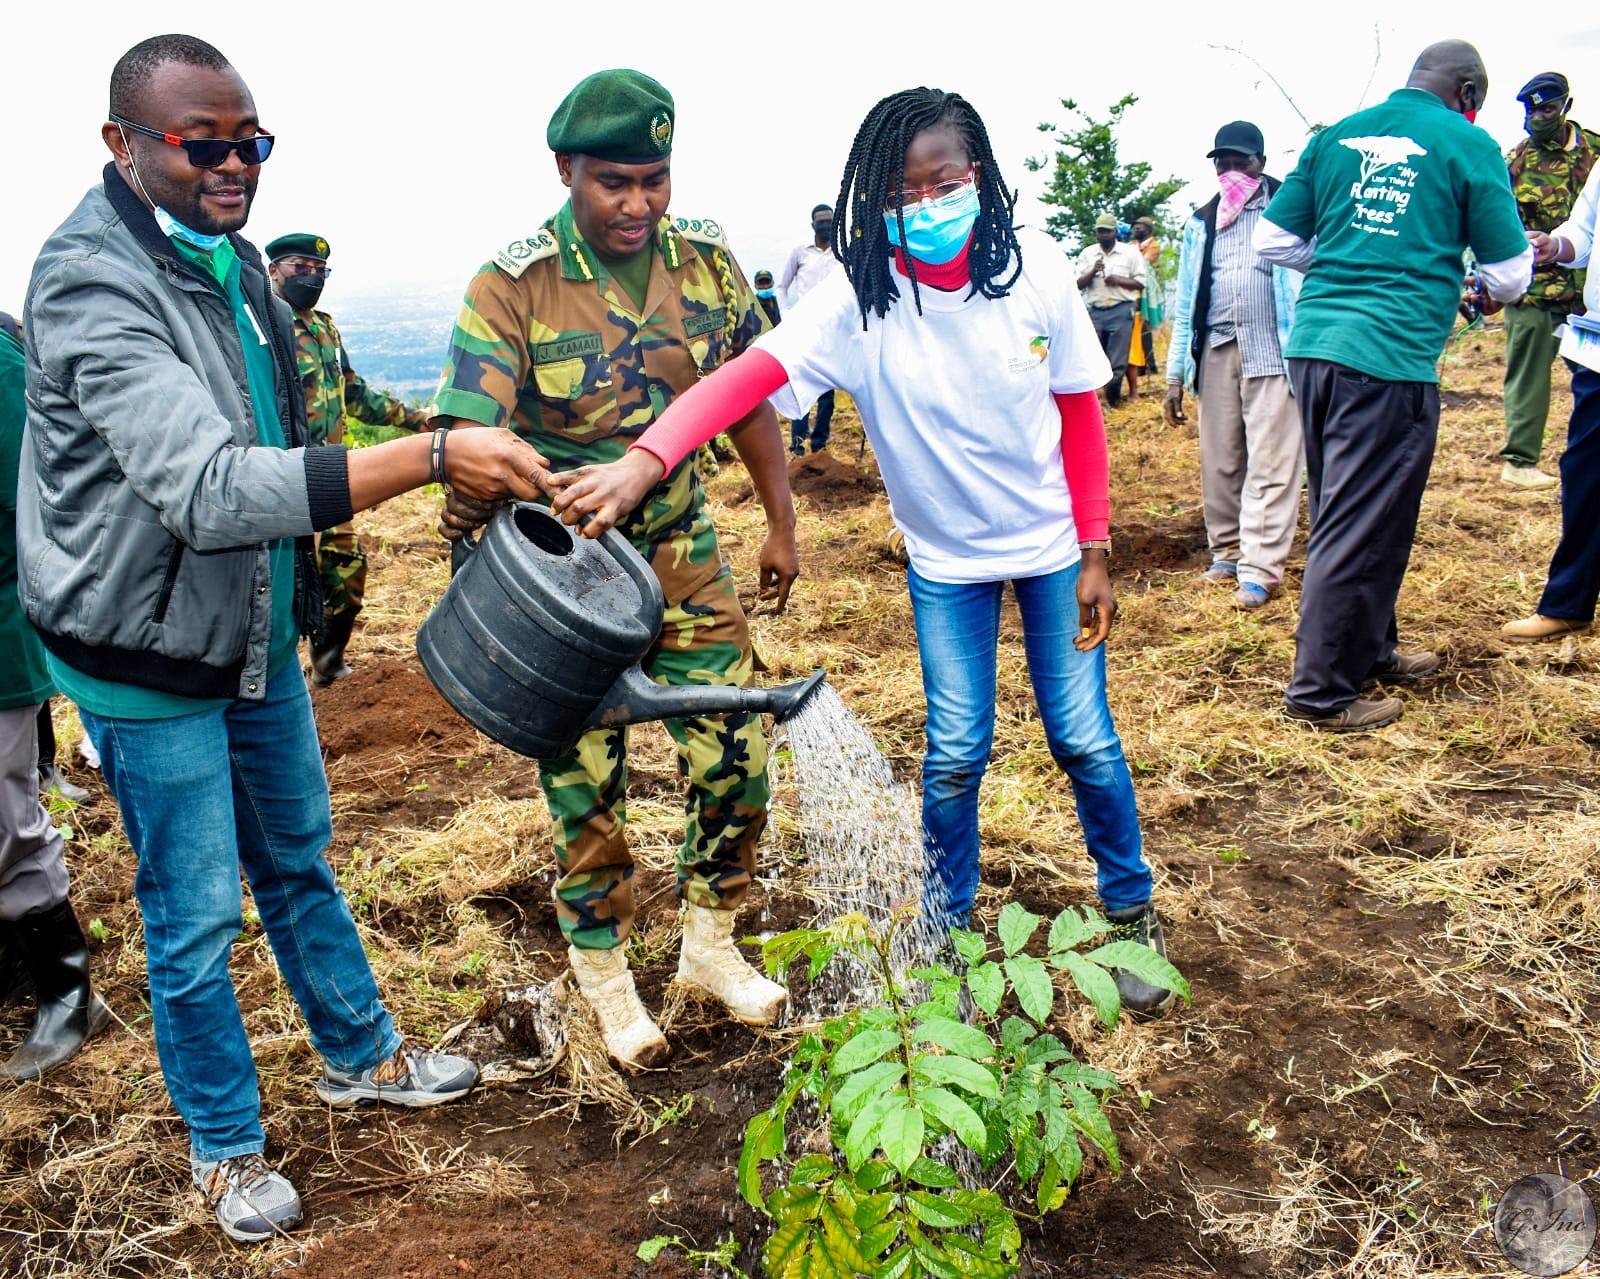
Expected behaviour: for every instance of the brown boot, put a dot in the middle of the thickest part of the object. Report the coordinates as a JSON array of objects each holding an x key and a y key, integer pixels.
[
  {"x": 1407, "y": 668},
  {"x": 1530, "y": 630},
  {"x": 1359, "y": 716}
]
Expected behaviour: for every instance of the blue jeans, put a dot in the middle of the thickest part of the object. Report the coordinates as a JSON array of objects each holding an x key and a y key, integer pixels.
[
  {"x": 202, "y": 795},
  {"x": 958, "y": 628}
]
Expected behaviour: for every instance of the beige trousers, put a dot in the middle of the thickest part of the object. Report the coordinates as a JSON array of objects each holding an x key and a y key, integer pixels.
[{"x": 1252, "y": 460}]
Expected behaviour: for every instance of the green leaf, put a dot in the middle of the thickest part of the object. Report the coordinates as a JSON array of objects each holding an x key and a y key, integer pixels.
[
  {"x": 871, "y": 1210},
  {"x": 1091, "y": 1121},
  {"x": 843, "y": 1240},
  {"x": 874, "y": 1174},
  {"x": 1049, "y": 1195},
  {"x": 877, "y": 1238},
  {"x": 900, "y": 1134},
  {"x": 1070, "y": 1157},
  {"x": 896, "y": 1264},
  {"x": 1031, "y": 980},
  {"x": 971, "y": 1259},
  {"x": 1029, "y": 1152},
  {"x": 862, "y": 1138},
  {"x": 811, "y": 1169},
  {"x": 1075, "y": 1072},
  {"x": 976, "y": 1079},
  {"x": 863, "y": 1049},
  {"x": 969, "y": 945},
  {"x": 1142, "y": 962},
  {"x": 930, "y": 1172},
  {"x": 932, "y": 1259},
  {"x": 988, "y": 987},
  {"x": 1097, "y": 987},
  {"x": 786, "y": 1250},
  {"x": 861, "y": 1086},
  {"x": 794, "y": 1203},
  {"x": 935, "y": 1210},
  {"x": 763, "y": 1139},
  {"x": 1016, "y": 927},
  {"x": 1045, "y": 1049},
  {"x": 651, "y": 1248},
  {"x": 1071, "y": 928},
  {"x": 955, "y": 1036},
  {"x": 1016, "y": 1034},
  {"x": 956, "y": 1115}
]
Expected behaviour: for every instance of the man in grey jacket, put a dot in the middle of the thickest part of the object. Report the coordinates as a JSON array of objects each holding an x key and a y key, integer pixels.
[{"x": 166, "y": 507}]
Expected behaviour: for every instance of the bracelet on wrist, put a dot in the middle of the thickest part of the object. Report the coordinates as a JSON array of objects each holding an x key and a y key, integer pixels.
[{"x": 436, "y": 471}]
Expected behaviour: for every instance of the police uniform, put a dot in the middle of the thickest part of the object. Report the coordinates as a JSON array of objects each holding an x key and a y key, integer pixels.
[
  {"x": 1546, "y": 181},
  {"x": 549, "y": 344},
  {"x": 335, "y": 391}
]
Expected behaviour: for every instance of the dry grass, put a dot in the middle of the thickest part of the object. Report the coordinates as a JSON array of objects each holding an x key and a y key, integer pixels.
[{"x": 1475, "y": 810}]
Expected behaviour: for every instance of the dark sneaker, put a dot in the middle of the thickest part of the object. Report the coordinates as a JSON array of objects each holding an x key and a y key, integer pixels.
[
  {"x": 1140, "y": 924},
  {"x": 252, "y": 1201},
  {"x": 409, "y": 1078},
  {"x": 1407, "y": 668},
  {"x": 1360, "y": 716}
]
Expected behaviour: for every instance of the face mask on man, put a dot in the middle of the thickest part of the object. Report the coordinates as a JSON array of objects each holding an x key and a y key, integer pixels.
[
  {"x": 1547, "y": 130},
  {"x": 170, "y": 226},
  {"x": 765, "y": 293},
  {"x": 302, "y": 291},
  {"x": 936, "y": 231}
]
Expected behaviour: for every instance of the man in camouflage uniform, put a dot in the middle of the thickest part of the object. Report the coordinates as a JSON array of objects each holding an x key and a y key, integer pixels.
[
  {"x": 1548, "y": 169},
  {"x": 577, "y": 337},
  {"x": 298, "y": 268}
]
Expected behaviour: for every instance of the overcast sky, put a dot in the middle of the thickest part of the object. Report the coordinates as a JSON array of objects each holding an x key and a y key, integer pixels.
[{"x": 412, "y": 136}]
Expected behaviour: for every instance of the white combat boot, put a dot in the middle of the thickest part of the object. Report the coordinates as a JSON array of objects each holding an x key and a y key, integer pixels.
[
  {"x": 711, "y": 962},
  {"x": 633, "y": 1040}
]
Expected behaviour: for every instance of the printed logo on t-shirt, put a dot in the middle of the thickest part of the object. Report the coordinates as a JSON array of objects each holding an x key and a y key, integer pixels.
[
  {"x": 1038, "y": 352},
  {"x": 1382, "y": 193}
]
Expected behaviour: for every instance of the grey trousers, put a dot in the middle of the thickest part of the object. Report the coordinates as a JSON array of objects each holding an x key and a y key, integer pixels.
[
  {"x": 33, "y": 865},
  {"x": 1113, "y": 325},
  {"x": 1252, "y": 455}
]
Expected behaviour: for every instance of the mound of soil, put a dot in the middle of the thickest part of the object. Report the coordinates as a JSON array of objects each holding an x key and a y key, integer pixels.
[
  {"x": 828, "y": 483},
  {"x": 386, "y": 706}
]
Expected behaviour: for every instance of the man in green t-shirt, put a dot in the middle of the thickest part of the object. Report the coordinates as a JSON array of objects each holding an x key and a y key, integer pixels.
[
  {"x": 37, "y": 927},
  {"x": 1378, "y": 214}
]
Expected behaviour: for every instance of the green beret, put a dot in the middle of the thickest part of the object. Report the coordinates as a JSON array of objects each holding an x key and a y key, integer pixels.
[
  {"x": 301, "y": 244},
  {"x": 622, "y": 116}
]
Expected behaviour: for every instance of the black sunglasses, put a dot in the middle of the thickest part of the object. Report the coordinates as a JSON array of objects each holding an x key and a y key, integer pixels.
[{"x": 208, "y": 153}]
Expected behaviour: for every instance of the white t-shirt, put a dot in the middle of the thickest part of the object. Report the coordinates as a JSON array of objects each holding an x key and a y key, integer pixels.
[{"x": 956, "y": 402}]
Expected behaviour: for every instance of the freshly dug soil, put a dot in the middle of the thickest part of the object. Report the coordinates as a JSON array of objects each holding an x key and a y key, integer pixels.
[
  {"x": 827, "y": 482},
  {"x": 385, "y": 706}
]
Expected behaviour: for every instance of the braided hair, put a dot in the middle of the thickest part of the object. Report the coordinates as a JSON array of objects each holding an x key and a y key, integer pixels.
[{"x": 877, "y": 165}]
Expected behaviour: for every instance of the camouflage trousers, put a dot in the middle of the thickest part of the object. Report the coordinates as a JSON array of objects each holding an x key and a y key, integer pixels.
[
  {"x": 342, "y": 565},
  {"x": 704, "y": 640}
]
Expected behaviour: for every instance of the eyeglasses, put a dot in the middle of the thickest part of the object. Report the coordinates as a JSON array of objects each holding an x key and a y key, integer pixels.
[
  {"x": 208, "y": 153},
  {"x": 913, "y": 196},
  {"x": 319, "y": 269}
]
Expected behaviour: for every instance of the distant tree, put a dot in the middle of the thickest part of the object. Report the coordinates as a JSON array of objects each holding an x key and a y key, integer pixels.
[{"x": 1087, "y": 177}]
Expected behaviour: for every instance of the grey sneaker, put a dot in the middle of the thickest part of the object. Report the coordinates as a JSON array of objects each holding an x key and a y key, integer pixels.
[
  {"x": 252, "y": 1201},
  {"x": 409, "y": 1078},
  {"x": 1140, "y": 924}
]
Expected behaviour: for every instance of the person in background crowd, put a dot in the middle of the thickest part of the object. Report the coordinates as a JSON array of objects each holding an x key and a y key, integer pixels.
[
  {"x": 1378, "y": 213},
  {"x": 1111, "y": 277},
  {"x": 607, "y": 266},
  {"x": 39, "y": 933},
  {"x": 1231, "y": 324},
  {"x": 166, "y": 503},
  {"x": 1150, "y": 312},
  {"x": 298, "y": 268},
  {"x": 808, "y": 266},
  {"x": 1548, "y": 169},
  {"x": 1568, "y": 603},
  {"x": 767, "y": 294},
  {"x": 986, "y": 424}
]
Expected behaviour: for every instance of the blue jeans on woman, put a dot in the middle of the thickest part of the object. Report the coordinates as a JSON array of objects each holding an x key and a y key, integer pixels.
[
  {"x": 202, "y": 795},
  {"x": 958, "y": 629}
]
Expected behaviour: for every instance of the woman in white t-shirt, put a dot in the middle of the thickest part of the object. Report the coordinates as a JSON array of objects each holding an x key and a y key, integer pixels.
[{"x": 972, "y": 361}]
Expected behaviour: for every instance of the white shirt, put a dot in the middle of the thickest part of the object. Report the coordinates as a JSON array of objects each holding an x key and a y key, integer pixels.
[
  {"x": 807, "y": 267},
  {"x": 1121, "y": 259},
  {"x": 1579, "y": 231},
  {"x": 957, "y": 404}
]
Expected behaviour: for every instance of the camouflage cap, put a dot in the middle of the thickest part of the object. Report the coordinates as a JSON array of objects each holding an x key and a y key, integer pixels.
[
  {"x": 1544, "y": 88},
  {"x": 622, "y": 116},
  {"x": 301, "y": 244}
]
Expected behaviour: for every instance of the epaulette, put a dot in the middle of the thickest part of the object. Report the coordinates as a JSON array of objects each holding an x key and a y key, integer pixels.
[
  {"x": 701, "y": 231},
  {"x": 519, "y": 255}
]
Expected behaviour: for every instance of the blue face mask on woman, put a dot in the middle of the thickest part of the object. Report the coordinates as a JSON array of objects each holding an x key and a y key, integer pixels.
[{"x": 937, "y": 230}]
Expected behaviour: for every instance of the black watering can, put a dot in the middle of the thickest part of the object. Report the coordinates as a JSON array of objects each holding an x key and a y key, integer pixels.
[{"x": 539, "y": 635}]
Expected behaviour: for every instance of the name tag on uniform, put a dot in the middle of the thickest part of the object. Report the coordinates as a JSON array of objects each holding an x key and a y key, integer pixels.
[
  {"x": 568, "y": 348},
  {"x": 709, "y": 322},
  {"x": 255, "y": 324}
]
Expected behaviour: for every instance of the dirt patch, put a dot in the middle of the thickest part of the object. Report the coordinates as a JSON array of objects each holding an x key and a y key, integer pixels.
[
  {"x": 385, "y": 706},
  {"x": 826, "y": 482}
]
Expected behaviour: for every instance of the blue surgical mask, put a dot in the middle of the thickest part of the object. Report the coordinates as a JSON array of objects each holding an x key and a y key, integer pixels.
[
  {"x": 936, "y": 231},
  {"x": 764, "y": 293},
  {"x": 175, "y": 230}
]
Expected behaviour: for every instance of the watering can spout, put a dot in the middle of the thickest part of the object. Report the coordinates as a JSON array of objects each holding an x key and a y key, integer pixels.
[{"x": 635, "y": 698}]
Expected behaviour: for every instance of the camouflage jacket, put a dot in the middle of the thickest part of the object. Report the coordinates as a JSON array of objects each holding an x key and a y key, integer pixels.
[
  {"x": 1546, "y": 183},
  {"x": 333, "y": 389},
  {"x": 548, "y": 344}
]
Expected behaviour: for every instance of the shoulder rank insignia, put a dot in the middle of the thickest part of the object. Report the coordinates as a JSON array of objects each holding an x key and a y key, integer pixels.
[
  {"x": 517, "y": 256},
  {"x": 701, "y": 231}
]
